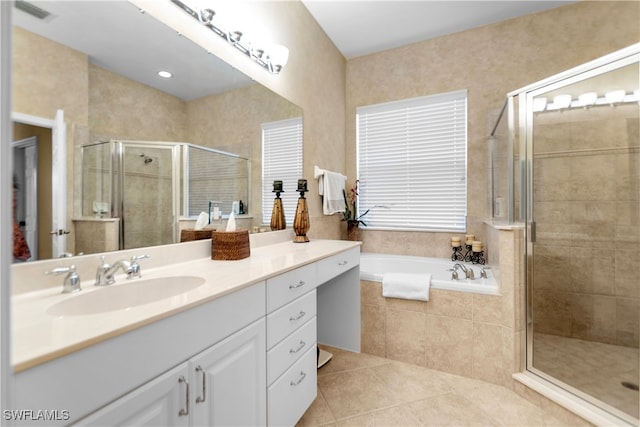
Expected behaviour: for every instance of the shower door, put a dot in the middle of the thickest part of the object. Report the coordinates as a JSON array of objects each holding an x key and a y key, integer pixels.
[
  {"x": 583, "y": 242},
  {"x": 148, "y": 184}
]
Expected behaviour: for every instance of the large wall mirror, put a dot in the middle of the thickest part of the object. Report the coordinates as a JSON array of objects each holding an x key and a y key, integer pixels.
[{"x": 98, "y": 63}]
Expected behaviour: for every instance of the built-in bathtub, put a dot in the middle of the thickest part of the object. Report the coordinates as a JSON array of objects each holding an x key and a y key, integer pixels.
[{"x": 373, "y": 266}]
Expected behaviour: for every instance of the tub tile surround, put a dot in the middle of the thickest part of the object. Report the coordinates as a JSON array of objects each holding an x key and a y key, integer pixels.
[{"x": 466, "y": 334}]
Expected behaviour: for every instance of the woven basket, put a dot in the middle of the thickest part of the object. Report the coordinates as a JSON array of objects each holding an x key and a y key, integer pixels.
[
  {"x": 230, "y": 245},
  {"x": 189, "y": 234}
]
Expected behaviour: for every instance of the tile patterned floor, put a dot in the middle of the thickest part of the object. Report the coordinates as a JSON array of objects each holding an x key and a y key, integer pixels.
[
  {"x": 366, "y": 390},
  {"x": 595, "y": 368}
]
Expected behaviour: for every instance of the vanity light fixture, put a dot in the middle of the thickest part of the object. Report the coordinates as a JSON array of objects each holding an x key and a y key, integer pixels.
[
  {"x": 586, "y": 100},
  {"x": 274, "y": 59},
  {"x": 165, "y": 74}
]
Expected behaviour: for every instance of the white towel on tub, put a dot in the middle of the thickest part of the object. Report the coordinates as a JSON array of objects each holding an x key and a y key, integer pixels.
[{"x": 406, "y": 286}]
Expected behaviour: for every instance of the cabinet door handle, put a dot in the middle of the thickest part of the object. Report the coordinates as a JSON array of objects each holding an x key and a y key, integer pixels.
[
  {"x": 300, "y": 284},
  {"x": 201, "y": 399},
  {"x": 183, "y": 411},
  {"x": 302, "y": 344},
  {"x": 303, "y": 375},
  {"x": 345, "y": 262},
  {"x": 298, "y": 317}
]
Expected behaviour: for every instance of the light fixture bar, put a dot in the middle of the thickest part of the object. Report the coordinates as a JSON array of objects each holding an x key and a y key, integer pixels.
[{"x": 274, "y": 61}]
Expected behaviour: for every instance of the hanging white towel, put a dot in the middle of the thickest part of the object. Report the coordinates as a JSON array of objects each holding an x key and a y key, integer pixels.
[
  {"x": 406, "y": 286},
  {"x": 330, "y": 187}
]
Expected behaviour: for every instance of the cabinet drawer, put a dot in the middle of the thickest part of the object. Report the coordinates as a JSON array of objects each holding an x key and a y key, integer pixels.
[
  {"x": 290, "y": 349},
  {"x": 337, "y": 264},
  {"x": 292, "y": 394},
  {"x": 290, "y": 285},
  {"x": 287, "y": 319}
]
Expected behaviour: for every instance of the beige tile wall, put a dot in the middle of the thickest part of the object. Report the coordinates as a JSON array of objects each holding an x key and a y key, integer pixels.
[
  {"x": 490, "y": 62},
  {"x": 94, "y": 236}
]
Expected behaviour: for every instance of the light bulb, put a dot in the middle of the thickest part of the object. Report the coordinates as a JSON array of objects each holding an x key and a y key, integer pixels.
[
  {"x": 539, "y": 104},
  {"x": 562, "y": 101},
  {"x": 615, "y": 96},
  {"x": 278, "y": 57},
  {"x": 588, "y": 99}
]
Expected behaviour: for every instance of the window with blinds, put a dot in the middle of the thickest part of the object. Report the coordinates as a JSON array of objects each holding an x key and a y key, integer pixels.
[
  {"x": 412, "y": 163},
  {"x": 281, "y": 160}
]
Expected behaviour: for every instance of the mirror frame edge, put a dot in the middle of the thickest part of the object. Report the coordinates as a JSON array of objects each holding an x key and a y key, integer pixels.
[{"x": 6, "y": 376}]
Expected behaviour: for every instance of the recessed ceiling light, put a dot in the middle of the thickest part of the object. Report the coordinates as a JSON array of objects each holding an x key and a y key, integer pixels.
[{"x": 165, "y": 74}]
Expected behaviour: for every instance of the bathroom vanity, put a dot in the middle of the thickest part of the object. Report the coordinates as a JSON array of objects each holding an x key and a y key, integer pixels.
[{"x": 237, "y": 349}]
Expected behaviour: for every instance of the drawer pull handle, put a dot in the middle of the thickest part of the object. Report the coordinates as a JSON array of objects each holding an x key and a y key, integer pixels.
[
  {"x": 345, "y": 262},
  {"x": 298, "y": 317},
  {"x": 201, "y": 399},
  {"x": 302, "y": 344},
  {"x": 302, "y": 377},
  {"x": 299, "y": 285},
  {"x": 184, "y": 412}
]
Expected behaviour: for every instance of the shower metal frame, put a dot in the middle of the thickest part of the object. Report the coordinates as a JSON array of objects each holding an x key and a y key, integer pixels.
[
  {"x": 523, "y": 99},
  {"x": 179, "y": 177}
]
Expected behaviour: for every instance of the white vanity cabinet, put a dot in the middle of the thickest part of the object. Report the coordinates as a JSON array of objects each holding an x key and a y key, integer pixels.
[
  {"x": 291, "y": 345},
  {"x": 222, "y": 386},
  {"x": 225, "y": 333},
  {"x": 161, "y": 402},
  {"x": 246, "y": 355},
  {"x": 228, "y": 381}
]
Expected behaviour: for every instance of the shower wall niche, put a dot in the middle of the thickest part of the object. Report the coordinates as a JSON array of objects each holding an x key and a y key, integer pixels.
[{"x": 143, "y": 189}]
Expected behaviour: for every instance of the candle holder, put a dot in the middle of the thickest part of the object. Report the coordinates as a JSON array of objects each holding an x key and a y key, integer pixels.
[
  {"x": 478, "y": 258},
  {"x": 277, "y": 214},
  {"x": 457, "y": 254},
  {"x": 301, "y": 220},
  {"x": 468, "y": 253}
]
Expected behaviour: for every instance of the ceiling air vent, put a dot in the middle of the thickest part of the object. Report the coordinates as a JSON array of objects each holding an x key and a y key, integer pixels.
[{"x": 32, "y": 9}]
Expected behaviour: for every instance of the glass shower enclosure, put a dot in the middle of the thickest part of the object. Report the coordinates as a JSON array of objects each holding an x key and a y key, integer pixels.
[
  {"x": 151, "y": 186},
  {"x": 565, "y": 158}
]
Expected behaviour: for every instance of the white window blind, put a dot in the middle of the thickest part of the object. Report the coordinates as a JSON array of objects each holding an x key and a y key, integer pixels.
[
  {"x": 281, "y": 160},
  {"x": 412, "y": 166}
]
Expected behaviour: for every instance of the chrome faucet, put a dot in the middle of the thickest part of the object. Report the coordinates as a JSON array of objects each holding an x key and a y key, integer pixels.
[
  {"x": 105, "y": 272},
  {"x": 71, "y": 281},
  {"x": 468, "y": 271}
]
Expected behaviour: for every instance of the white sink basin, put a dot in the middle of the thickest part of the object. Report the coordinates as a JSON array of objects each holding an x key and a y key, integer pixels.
[{"x": 128, "y": 294}]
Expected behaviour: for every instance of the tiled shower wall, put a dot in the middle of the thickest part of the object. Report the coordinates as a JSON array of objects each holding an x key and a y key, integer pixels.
[{"x": 586, "y": 208}]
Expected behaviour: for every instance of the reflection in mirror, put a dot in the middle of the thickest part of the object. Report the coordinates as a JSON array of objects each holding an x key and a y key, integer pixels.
[
  {"x": 109, "y": 89},
  {"x": 139, "y": 187}
]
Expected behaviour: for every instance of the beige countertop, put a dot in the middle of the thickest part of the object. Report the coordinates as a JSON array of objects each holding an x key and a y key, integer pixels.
[{"x": 38, "y": 336}]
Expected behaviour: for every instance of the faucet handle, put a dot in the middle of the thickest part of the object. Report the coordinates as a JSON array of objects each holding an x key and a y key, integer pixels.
[
  {"x": 134, "y": 269},
  {"x": 71, "y": 282}
]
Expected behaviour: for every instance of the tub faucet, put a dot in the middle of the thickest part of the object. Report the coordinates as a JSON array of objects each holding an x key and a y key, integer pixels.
[{"x": 468, "y": 271}]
